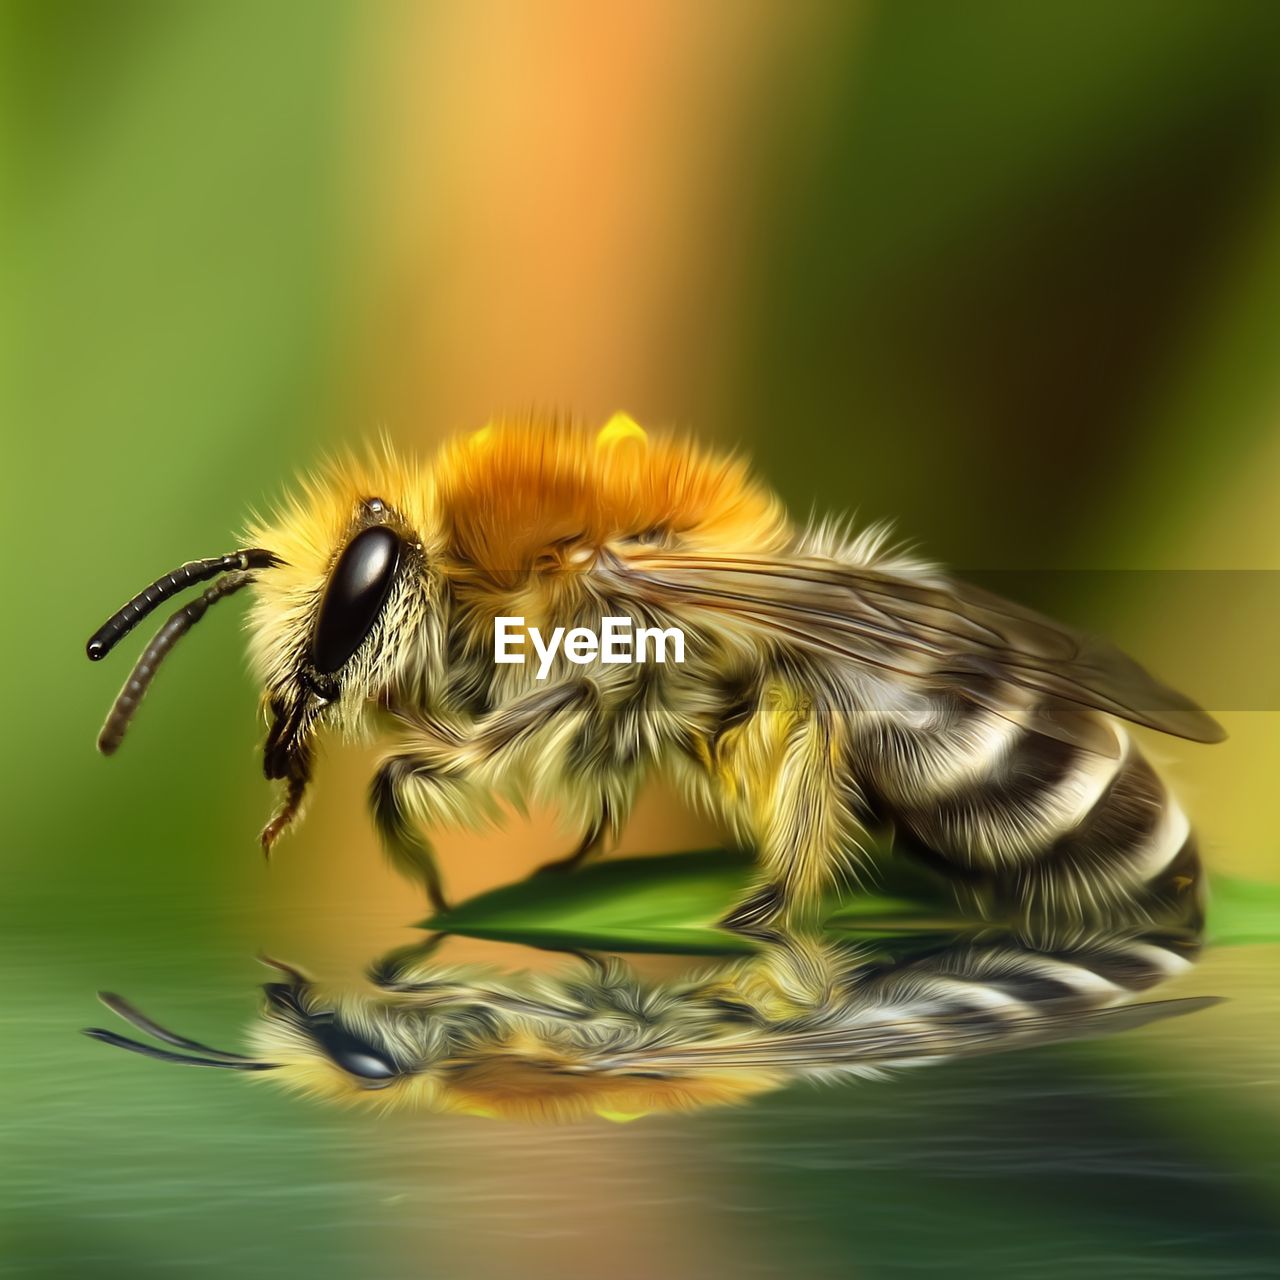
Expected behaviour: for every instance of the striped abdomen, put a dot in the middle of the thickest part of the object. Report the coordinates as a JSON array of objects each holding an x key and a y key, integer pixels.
[
  {"x": 1057, "y": 832},
  {"x": 987, "y": 998}
]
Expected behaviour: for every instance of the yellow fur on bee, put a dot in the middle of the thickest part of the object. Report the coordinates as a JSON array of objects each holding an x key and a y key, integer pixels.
[{"x": 529, "y": 1087}]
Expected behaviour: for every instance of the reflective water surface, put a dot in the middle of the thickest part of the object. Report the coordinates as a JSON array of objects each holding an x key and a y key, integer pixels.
[{"x": 1151, "y": 1151}]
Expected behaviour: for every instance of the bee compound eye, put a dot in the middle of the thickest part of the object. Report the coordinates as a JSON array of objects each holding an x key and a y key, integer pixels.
[
  {"x": 355, "y": 596},
  {"x": 355, "y": 1056}
]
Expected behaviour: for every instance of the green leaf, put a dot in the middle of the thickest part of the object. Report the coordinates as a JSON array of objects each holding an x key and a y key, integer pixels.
[
  {"x": 670, "y": 903},
  {"x": 665, "y": 903}
]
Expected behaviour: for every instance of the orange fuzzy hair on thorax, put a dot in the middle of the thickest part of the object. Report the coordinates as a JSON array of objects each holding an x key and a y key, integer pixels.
[
  {"x": 512, "y": 490},
  {"x": 537, "y": 1090}
]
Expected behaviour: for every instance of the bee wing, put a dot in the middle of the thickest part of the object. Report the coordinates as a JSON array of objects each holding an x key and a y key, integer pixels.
[
  {"x": 924, "y": 625},
  {"x": 881, "y": 1044}
]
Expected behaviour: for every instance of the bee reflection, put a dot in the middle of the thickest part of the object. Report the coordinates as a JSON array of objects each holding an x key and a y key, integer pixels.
[{"x": 597, "y": 1039}]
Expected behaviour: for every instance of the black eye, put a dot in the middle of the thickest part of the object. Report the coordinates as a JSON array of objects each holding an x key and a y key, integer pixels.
[
  {"x": 357, "y": 590},
  {"x": 353, "y": 1055}
]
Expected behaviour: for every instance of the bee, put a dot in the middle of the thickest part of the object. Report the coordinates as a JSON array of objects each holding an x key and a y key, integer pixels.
[
  {"x": 601, "y": 1041},
  {"x": 832, "y": 686}
]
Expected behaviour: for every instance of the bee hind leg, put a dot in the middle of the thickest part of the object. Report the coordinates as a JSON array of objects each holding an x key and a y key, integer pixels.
[
  {"x": 799, "y": 803},
  {"x": 755, "y": 915}
]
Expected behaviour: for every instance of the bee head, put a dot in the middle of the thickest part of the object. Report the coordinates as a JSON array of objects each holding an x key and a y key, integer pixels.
[
  {"x": 338, "y": 1045},
  {"x": 314, "y": 1042},
  {"x": 347, "y": 622},
  {"x": 520, "y": 1047},
  {"x": 343, "y": 620}
]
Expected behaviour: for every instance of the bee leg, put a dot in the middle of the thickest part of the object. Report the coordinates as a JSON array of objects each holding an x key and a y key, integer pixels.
[
  {"x": 593, "y": 843},
  {"x": 396, "y": 969},
  {"x": 404, "y": 789},
  {"x": 572, "y": 706},
  {"x": 798, "y": 801},
  {"x": 297, "y": 778},
  {"x": 755, "y": 914},
  {"x": 596, "y": 961}
]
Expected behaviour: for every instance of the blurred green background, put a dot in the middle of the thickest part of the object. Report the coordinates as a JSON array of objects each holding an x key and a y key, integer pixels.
[{"x": 1007, "y": 273}]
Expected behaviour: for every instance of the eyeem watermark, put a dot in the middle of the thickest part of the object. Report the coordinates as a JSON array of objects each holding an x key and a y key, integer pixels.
[{"x": 618, "y": 641}]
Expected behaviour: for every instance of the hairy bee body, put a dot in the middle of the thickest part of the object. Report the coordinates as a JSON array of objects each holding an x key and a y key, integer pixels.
[
  {"x": 600, "y": 1040},
  {"x": 607, "y": 1042},
  {"x": 830, "y": 683}
]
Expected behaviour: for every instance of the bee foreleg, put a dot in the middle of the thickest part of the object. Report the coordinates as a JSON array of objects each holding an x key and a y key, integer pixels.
[
  {"x": 407, "y": 791},
  {"x": 289, "y": 811}
]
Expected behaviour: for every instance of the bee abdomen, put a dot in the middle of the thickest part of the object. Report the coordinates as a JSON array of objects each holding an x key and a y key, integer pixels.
[
  {"x": 998, "y": 991},
  {"x": 1033, "y": 791},
  {"x": 1134, "y": 856},
  {"x": 1064, "y": 834}
]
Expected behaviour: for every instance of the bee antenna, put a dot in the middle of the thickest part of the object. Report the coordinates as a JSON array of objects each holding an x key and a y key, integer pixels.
[
  {"x": 149, "y": 598},
  {"x": 164, "y": 1055},
  {"x": 130, "y": 697},
  {"x": 135, "y": 1017},
  {"x": 295, "y": 975}
]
